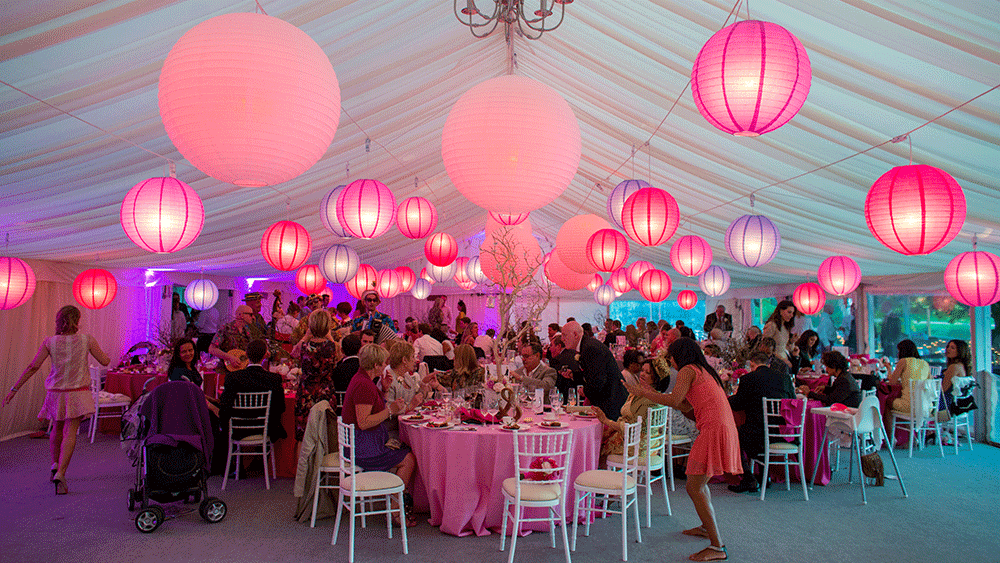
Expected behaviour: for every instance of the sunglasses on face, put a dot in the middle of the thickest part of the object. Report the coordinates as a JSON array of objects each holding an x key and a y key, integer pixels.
[{"x": 370, "y": 300}]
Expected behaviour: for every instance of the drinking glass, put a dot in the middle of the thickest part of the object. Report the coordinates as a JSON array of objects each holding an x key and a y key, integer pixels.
[
  {"x": 556, "y": 400},
  {"x": 571, "y": 397}
]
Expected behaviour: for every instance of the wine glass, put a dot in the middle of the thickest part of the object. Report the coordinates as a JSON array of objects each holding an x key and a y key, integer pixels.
[
  {"x": 556, "y": 400},
  {"x": 493, "y": 406},
  {"x": 571, "y": 397}
]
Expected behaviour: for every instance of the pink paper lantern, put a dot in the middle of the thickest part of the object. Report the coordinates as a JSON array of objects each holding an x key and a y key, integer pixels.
[
  {"x": 406, "y": 277},
  {"x": 607, "y": 250},
  {"x": 687, "y": 299},
  {"x": 441, "y": 249},
  {"x": 162, "y": 215},
  {"x": 441, "y": 274},
  {"x": 809, "y": 298},
  {"x": 286, "y": 245},
  {"x": 915, "y": 209},
  {"x": 509, "y": 218},
  {"x": 249, "y": 99},
  {"x": 416, "y": 217},
  {"x": 528, "y": 150},
  {"x": 17, "y": 282},
  {"x": 389, "y": 284},
  {"x": 365, "y": 279},
  {"x": 572, "y": 239},
  {"x": 421, "y": 289},
  {"x": 619, "y": 280},
  {"x": 751, "y": 78},
  {"x": 424, "y": 275},
  {"x": 714, "y": 281},
  {"x": 655, "y": 285},
  {"x": 636, "y": 270},
  {"x": 595, "y": 283},
  {"x": 328, "y": 212},
  {"x": 366, "y": 208},
  {"x": 617, "y": 197},
  {"x": 839, "y": 275},
  {"x": 461, "y": 271},
  {"x": 309, "y": 279},
  {"x": 559, "y": 274},
  {"x": 339, "y": 263},
  {"x": 95, "y": 288},
  {"x": 604, "y": 295},
  {"x": 691, "y": 255},
  {"x": 974, "y": 278},
  {"x": 509, "y": 255},
  {"x": 467, "y": 285},
  {"x": 201, "y": 294},
  {"x": 753, "y": 240},
  {"x": 650, "y": 216}
]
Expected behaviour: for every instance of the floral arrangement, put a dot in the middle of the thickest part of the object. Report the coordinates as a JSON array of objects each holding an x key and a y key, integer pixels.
[{"x": 546, "y": 465}]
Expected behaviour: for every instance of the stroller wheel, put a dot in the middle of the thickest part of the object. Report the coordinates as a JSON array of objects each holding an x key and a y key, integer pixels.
[
  {"x": 149, "y": 519},
  {"x": 213, "y": 510}
]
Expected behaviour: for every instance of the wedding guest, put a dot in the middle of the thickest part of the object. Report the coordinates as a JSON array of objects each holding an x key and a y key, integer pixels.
[
  {"x": 250, "y": 379},
  {"x": 317, "y": 358},
  {"x": 534, "y": 374},
  {"x": 207, "y": 325},
  {"x": 425, "y": 344},
  {"x": 602, "y": 380},
  {"x": 779, "y": 327},
  {"x": 348, "y": 365},
  {"x": 234, "y": 335},
  {"x": 399, "y": 381},
  {"x": 959, "y": 359},
  {"x": 632, "y": 360},
  {"x": 467, "y": 371},
  {"x": 843, "y": 388},
  {"x": 909, "y": 368},
  {"x": 767, "y": 346},
  {"x": 804, "y": 352},
  {"x": 612, "y": 439},
  {"x": 67, "y": 388},
  {"x": 719, "y": 319},
  {"x": 182, "y": 364}
]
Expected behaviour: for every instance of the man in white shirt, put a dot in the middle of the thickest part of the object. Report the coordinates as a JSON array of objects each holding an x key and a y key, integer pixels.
[
  {"x": 208, "y": 325},
  {"x": 425, "y": 344},
  {"x": 484, "y": 343},
  {"x": 534, "y": 374}
]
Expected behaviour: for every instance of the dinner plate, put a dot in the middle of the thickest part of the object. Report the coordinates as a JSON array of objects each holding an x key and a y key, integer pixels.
[
  {"x": 584, "y": 415},
  {"x": 442, "y": 427},
  {"x": 415, "y": 418},
  {"x": 553, "y": 424},
  {"x": 505, "y": 429}
]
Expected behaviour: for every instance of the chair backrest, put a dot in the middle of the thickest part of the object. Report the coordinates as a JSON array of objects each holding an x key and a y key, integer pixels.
[
  {"x": 345, "y": 446},
  {"x": 868, "y": 420},
  {"x": 656, "y": 433},
  {"x": 777, "y": 427},
  {"x": 542, "y": 458},
  {"x": 95, "y": 382},
  {"x": 924, "y": 396},
  {"x": 632, "y": 436},
  {"x": 251, "y": 411},
  {"x": 935, "y": 372},
  {"x": 869, "y": 393}
]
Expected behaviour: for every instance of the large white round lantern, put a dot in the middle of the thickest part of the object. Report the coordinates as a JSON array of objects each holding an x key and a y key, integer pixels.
[
  {"x": 328, "y": 212},
  {"x": 286, "y": 245},
  {"x": 514, "y": 136},
  {"x": 604, "y": 295},
  {"x": 809, "y": 298},
  {"x": 474, "y": 271},
  {"x": 561, "y": 275},
  {"x": 751, "y": 78},
  {"x": 201, "y": 294},
  {"x": 441, "y": 274},
  {"x": 416, "y": 217},
  {"x": 95, "y": 288},
  {"x": 753, "y": 240},
  {"x": 339, "y": 263},
  {"x": 974, "y": 278},
  {"x": 839, "y": 275},
  {"x": 714, "y": 281},
  {"x": 17, "y": 282},
  {"x": 509, "y": 219},
  {"x": 421, "y": 289},
  {"x": 249, "y": 99},
  {"x": 162, "y": 214},
  {"x": 366, "y": 208},
  {"x": 690, "y": 255}
]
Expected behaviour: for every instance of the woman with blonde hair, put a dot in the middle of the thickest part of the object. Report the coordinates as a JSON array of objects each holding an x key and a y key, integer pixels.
[
  {"x": 318, "y": 357},
  {"x": 467, "y": 371},
  {"x": 67, "y": 388}
]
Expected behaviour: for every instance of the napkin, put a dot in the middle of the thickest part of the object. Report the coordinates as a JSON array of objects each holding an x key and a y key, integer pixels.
[{"x": 476, "y": 416}]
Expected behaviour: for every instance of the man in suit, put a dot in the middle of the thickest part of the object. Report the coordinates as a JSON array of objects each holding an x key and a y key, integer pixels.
[
  {"x": 254, "y": 378},
  {"x": 534, "y": 374},
  {"x": 720, "y": 319},
  {"x": 565, "y": 365},
  {"x": 349, "y": 365},
  {"x": 602, "y": 380},
  {"x": 761, "y": 382}
]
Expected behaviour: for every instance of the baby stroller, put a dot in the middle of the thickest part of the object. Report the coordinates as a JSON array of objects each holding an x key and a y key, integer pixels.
[{"x": 172, "y": 455}]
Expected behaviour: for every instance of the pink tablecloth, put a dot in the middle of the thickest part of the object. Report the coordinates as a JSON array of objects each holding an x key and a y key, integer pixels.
[
  {"x": 460, "y": 473},
  {"x": 813, "y": 436},
  {"x": 886, "y": 394}
]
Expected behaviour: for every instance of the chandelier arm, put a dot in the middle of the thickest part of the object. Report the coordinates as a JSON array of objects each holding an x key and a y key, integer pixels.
[
  {"x": 529, "y": 22},
  {"x": 478, "y": 36},
  {"x": 471, "y": 24}
]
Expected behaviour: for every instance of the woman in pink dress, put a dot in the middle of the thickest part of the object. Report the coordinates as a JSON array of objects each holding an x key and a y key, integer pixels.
[{"x": 716, "y": 450}]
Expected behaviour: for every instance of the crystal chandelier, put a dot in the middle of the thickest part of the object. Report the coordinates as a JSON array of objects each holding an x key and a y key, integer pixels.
[{"x": 531, "y": 24}]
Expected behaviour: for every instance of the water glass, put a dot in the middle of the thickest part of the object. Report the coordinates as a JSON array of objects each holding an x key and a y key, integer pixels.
[
  {"x": 571, "y": 397},
  {"x": 556, "y": 400}
]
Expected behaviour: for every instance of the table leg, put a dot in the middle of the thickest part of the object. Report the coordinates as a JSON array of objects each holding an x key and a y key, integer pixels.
[{"x": 824, "y": 444}]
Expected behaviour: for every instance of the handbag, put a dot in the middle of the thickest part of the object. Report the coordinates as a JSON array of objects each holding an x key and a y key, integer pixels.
[
  {"x": 871, "y": 466},
  {"x": 963, "y": 405}
]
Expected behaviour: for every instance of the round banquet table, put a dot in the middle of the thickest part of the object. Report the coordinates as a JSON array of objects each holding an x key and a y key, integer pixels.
[{"x": 460, "y": 473}]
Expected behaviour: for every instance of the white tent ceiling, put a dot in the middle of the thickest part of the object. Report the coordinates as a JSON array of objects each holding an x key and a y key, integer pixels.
[{"x": 880, "y": 68}]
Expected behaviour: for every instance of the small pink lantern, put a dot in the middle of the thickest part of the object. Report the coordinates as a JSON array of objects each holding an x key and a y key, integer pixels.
[
  {"x": 751, "y": 78},
  {"x": 425, "y": 276},
  {"x": 467, "y": 285},
  {"x": 416, "y": 217},
  {"x": 421, "y": 289},
  {"x": 687, "y": 299},
  {"x": 162, "y": 214},
  {"x": 509, "y": 219},
  {"x": 389, "y": 284},
  {"x": 974, "y": 278},
  {"x": 328, "y": 212},
  {"x": 595, "y": 283},
  {"x": 366, "y": 208},
  {"x": 691, "y": 255},
  {"x": 461, "y": 271},
  {"x": 201, "y": 294},
  {"x": 309, "y": 279},
  {"x": 753, "y": 240},
  {"x": 809, "y": 298},
  {"x": 286, "y": 245},
  {"x": 441, "y": 274},
  {"x": 714, "y": 281},
  {"x": 654, "y": 285},
  {"x": 441, "y": 249},
  {"x": 839, "y": 275},
  {"x": 636, "y": 270},
  {"x": 572, "y": 239},
  {"x": 619, "y": 280},
  {"x": 365, "y": 279},
  {"x": 559, "y": 274},
  {"x": 474, "y": 270},
  {"x": 607, "y": 250},
  {"x": 650, "y": 216},
  {"x": 249, "y": 99},
  {"x": 915, "y": 209},
  {"x": 604, "y": 295},
  {"x": 617, "y": 197},
  {"x": 406, "y": 277},
  {"x": 339, "y": 263},
  {"x": 95, "y": 288},
  {"x": 17, "y": 282}
]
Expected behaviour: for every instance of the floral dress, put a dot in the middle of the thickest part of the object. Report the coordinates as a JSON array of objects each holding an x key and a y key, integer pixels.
[{"x": 316, "y": 381}]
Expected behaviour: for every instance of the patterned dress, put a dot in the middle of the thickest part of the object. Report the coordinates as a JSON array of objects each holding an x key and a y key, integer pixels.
[{"x": 316, "y": 382}]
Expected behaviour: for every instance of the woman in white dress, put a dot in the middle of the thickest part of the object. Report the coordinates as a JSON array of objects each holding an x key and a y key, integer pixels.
[{"x": 779, "y": 327}]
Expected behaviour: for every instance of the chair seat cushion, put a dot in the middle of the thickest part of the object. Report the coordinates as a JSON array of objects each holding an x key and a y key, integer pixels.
[
  {"x": 331, "y": 460},
  {"x": 680, "y": 438},
  {"x": 618, "y": 461},
  {"x": 532, "y": 491},
  {"x": 603, "y": 479},
  {"x": 784, "y": 447},
  {"x": 254, "y": 439},
  {"x": 372, "y": 481}
]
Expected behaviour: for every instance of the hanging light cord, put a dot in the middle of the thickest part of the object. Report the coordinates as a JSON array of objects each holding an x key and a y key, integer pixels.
[{"x": 381, "y": 146}]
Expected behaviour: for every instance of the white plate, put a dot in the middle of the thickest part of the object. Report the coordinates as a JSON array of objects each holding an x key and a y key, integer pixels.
[
  {"x": 413, "y": 418},
  {"x": 505, "y": 429},
  {"x": 553, "y": 425},
  {"x": 427, "y": 425},
  {"x": 584, "y": 415}
]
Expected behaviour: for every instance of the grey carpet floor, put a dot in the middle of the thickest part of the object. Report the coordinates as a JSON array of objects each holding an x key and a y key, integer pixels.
[{"x": 950, "y": 515}]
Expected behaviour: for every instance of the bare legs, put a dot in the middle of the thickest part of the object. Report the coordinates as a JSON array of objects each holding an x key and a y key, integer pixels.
[
  {"x": 62, "y": 442},
  {"x": 701, "y": 496},
  {"x": 405, "y": 472}
]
